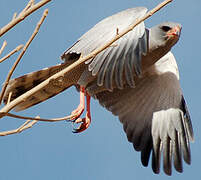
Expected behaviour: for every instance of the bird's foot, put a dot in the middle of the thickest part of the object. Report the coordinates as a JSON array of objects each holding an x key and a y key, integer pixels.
[{"x": 85, "y": 122}]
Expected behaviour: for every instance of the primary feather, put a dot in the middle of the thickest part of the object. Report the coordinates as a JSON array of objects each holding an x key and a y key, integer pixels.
[{"x": 154, "y": 115}]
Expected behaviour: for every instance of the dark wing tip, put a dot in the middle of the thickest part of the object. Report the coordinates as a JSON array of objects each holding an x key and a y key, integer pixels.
[
  {"x": 187, "y": 120},
  {"x": 170, "y": 137},
  {"x": 145, "y": 154}
]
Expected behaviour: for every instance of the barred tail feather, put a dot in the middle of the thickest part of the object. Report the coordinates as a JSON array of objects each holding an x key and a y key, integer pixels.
[{"x": 26, "y": 82}]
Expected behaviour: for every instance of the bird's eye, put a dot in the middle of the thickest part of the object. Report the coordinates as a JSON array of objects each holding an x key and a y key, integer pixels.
[{"x": 165, "y": 28}]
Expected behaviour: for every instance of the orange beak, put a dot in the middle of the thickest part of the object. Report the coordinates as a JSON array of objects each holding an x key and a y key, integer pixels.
[{"x": 174, "y": 32}]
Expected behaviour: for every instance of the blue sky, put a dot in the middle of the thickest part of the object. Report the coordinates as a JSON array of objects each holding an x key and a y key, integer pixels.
[{"x": 50, "y": 150}]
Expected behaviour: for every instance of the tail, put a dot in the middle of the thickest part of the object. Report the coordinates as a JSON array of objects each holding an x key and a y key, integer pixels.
[{"x": 24, "y": 83}]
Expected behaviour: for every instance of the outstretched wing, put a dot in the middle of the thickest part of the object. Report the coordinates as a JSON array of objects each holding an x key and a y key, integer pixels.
[
  {"x": 120, "y": 59},
  {"x": 155, "y": 116}
]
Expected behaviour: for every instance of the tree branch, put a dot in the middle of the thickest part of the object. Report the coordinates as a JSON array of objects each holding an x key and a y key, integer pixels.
[
  {"x": 28, "y": 124},
  {"x": 29, "y": 4},
  {"x": 22, "y": 53},
  {"x": 18, "y": 48},
  {"x": 30, "y": 8},
  {"x": 3, "y": 47},
  {"x": 40, "y": 119}
]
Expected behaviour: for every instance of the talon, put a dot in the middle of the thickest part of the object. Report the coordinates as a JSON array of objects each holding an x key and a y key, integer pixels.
[
  {"x": 85, "y": 122},
  {"x": 80, "y": 128}
]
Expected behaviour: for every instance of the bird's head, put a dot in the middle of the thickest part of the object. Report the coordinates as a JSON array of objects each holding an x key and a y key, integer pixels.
[{"x": 166, "y": 33}]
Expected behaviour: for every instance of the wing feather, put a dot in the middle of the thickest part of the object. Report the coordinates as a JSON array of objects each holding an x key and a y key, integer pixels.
[
  {"x": 111, "y": 64},
  {"x": 154, "y": 116}
]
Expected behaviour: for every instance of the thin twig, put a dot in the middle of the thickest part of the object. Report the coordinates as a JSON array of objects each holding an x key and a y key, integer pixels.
[
  {"x": 29, "y": 4},
  {"x": 9, "y": 97},
  {"x": 28, "y": 124},
  {"x": 11, "y": 53},
  {"x": 3, "y": 47},
  {"x": 20, "y": 99},
  {"x": 22, "y": 53},
  {"x": 33, "y": 2},
  {"x": 23, "y": 16},
  {"x": 40, "y": 119},
  {"x": 14, "y": 16},
  {"x": 23, "y": 125}
]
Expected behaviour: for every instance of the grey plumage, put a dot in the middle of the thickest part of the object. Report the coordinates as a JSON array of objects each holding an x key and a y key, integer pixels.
[
  {"x": 113, "y": 61},
  {"x": 136, "y": 78},
  {"x": 154, "y": 112}
]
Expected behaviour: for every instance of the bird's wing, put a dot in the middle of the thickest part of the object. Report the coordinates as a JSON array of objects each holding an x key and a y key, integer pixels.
[
  {"x": 155, "y": 116},
  {"x": 122, "y": 56}
]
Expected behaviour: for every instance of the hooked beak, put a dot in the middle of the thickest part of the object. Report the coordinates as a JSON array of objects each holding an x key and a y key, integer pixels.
[{"x": 174, "y": 32}]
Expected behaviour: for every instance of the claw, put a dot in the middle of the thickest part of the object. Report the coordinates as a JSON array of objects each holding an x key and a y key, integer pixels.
[
  {"x": 83, "y": 126},
  {"x": 85, "y": 122}
]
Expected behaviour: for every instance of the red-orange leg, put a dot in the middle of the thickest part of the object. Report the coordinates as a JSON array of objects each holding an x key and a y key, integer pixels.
[
  {"x": 85, "y": 122},
  {"x": 79, "y": 110}
]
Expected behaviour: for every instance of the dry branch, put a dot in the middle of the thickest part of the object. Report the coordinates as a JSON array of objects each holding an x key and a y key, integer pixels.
[
  {"x": 41, "y": 119},
  {"x": 23, "y": 15},
  {"x": 4, "y": 111},
  {"x": 3, "y": 47},
  {"x": 28, "y": 124},
  {"x": 9, "y": 97},
  {"x": 22, "y": 53},
  {"x": 11, "y": 53},
  {"x": 14, "y": 16},
  {"x": 29, "y": 4}
]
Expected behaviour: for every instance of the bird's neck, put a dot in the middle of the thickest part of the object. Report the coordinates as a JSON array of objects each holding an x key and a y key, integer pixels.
[{"x": 155, "y": 51}]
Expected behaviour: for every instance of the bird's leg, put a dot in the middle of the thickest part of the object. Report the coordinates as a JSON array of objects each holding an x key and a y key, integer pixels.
[
  {"x": 77, "y": 112},
  {"x": 85, "y": 122}
]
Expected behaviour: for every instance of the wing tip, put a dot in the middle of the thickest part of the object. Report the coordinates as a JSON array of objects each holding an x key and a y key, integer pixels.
[{"x": 173, "y": 122}]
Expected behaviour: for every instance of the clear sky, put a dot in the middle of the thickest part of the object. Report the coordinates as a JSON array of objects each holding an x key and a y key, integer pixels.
[{"x": 50, "y": 150}]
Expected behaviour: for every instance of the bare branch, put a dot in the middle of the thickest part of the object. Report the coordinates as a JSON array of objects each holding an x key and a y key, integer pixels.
[
  {"x": 14, "y": 16},
  {"x": 33, "y": 2},
  {"x": 28, "y": 124},
  {"x": 23, "y": 16},
  {"x": 40, "y": 119},
  {"x": 29, "y": 4},
  {"x": 12, "y": 104},
  {"x": 11, "y": 53},
  {"x": 22, "y": 53},
  {"x": 3, "y": 47},
  {"x": 9, "y": 97}
]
